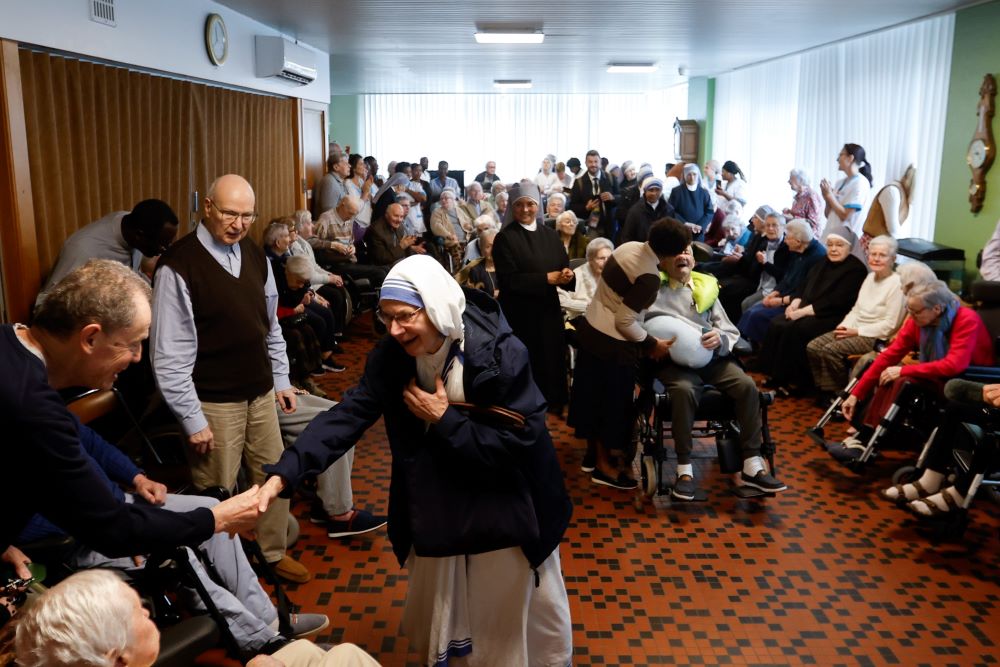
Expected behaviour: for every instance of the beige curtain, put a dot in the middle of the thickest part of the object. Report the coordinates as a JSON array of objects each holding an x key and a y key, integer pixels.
[{"x": 102, "y": 138}]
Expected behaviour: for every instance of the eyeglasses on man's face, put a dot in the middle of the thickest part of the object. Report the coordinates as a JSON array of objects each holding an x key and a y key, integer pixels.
[
  {"x": 229, "y": 217},
  {"x": 403, "y": 319}
]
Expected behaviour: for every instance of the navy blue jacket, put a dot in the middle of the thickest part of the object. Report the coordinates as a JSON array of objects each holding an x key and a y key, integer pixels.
[
  {"x": 496, "y": 372},
  {"x": 110, "y": 464}
]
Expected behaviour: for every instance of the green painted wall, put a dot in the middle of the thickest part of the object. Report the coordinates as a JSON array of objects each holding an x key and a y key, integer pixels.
[
  {"x": 345, "y": 121},
  {"x": 976, "y": 52}
]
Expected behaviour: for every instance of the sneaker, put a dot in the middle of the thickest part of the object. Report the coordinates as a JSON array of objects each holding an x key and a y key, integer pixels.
[
  {"x": 319, "y": 372},
  {"x": 588, "y": 463},
  {"x": 291, "y": 570},
  {"x": 622, "y": 481},
  {"x": 763, "y": 481},
  {"x": 304, "y": 625},
  {"x": 684, "y": 488},
  {"x": 332, "y": 366},
  {"x": 360, "y": 522}
]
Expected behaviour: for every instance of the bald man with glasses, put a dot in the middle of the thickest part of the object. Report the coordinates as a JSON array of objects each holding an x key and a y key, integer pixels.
[{"x": 219, "y": 357}]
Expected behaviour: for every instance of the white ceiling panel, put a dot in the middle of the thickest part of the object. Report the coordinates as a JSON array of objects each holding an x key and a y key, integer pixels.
[{"x": 394, "y": 46}]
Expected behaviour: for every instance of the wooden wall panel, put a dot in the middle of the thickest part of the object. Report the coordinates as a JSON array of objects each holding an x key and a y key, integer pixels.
[
  {"x": 19, "y": 252},
  {"x": 102, "y": 138}
]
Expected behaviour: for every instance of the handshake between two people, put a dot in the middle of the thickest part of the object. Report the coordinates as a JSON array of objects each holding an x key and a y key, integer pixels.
[{"x": 239, "y": 514}]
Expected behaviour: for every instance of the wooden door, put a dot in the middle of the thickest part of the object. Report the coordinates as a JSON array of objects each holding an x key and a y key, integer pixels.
[{"x": 313, "y": 149}]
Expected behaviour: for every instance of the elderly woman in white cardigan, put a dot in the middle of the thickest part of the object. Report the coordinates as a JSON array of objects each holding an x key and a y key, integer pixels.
[
  {"x": 876, "y": 315},
  {"x": 575, "y": 303}
]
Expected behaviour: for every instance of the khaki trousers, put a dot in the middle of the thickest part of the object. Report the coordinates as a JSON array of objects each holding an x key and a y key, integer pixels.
[{"x": 245, "y": 433}]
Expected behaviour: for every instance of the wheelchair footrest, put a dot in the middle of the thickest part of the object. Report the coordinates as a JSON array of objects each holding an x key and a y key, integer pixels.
[{"x": 746, "y": 492}]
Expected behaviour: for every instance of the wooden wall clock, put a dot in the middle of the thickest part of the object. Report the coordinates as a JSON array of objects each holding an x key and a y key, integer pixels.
[{"x": 982, "y": 148}]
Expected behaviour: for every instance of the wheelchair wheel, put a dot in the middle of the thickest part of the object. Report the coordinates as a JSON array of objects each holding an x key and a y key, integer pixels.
[
  {"x": 650, "y": 478},
  {"x": 906, "y": 475}
]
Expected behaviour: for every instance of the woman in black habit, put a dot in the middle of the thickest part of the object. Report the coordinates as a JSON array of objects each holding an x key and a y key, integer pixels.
[
  {"x": 530, "y": 263},
  {"x": 817, "y": 307}
]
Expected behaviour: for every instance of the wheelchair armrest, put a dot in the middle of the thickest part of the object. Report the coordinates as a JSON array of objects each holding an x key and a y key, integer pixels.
[
  {"x": 180, "y": 644},
  {"x": 702, "y": 251},
  {"x": 742, "y": 348},
  {"x": 54, "y": 549},
  {"x": 984, "y": 374}
]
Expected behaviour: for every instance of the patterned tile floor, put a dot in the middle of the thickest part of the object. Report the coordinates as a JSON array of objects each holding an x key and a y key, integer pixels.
[{"x": 823, "y": 574}]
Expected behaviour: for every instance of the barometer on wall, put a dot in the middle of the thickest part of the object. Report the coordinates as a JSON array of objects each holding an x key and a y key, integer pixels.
[{"x": 982, "y": 148}]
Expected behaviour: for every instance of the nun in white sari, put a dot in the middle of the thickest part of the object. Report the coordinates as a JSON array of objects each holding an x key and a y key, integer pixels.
[{"x": 477, "y": 501}]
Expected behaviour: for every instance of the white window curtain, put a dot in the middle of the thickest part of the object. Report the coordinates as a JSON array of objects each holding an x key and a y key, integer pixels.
[
  {"x": 887, "y": 92},
  {"x": 518, "y": 130}
]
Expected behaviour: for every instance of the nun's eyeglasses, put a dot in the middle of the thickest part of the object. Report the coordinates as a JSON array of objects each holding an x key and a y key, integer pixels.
[{"x": 402, "y": 319}]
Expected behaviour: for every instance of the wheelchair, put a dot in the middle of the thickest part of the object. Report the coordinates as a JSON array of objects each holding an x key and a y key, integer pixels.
[
  {"x": 916, "y": 410},
  {"x": 714, "y": 418},
  {"x": 183, "y": 638},
  {"x": 976, "y": 453}
]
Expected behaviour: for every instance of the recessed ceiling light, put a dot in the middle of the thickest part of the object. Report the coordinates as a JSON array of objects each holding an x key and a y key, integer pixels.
[
  {"x": 518, "y": 37},
  {"x": 631, "y": 68},
  {"x": 512, "y": 83}
]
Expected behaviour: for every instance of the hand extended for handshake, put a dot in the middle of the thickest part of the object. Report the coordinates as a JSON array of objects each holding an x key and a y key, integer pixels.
[{"x": 239, "y": 514}]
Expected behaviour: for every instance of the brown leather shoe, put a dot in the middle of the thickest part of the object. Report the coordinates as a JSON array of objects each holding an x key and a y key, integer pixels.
[{"x": 291, "y": 570}]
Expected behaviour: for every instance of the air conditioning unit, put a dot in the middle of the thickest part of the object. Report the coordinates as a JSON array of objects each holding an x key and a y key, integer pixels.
[{"x": 283, "y": 58}]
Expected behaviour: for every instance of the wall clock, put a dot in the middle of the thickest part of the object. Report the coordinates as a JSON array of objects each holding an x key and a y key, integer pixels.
[
  {"x": 982, "y": 148},
  {"x": 216, "y": 39}
]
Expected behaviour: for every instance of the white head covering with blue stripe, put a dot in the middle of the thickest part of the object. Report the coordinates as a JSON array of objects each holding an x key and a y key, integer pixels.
[{"x": 422, "y": 282}]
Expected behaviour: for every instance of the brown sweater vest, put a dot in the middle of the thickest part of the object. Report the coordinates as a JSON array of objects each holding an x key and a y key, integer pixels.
[{"x": 230, "y": 316}]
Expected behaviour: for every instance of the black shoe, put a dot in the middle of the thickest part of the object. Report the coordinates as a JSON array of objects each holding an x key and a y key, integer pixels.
[
  {"x": 684, "y": 488},
  {"x": 360, "y": 522},
  {"x": 623, "y": 481},
  {"x": 319, "y": 372},
  {"x": 848, "y": 451},
  {"x": 762, "y": 481},
  {"x": 589, "y": 462},
  {"x": 332, "y": 366}
]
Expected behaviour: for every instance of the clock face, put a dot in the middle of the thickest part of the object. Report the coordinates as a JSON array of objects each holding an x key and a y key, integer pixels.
[
  {"x": 216, "y": 39},
  {"x": 977, "y": 153}
]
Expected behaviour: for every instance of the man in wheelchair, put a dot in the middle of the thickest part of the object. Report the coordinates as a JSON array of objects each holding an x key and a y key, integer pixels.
[
  {"x": 687, "y": 308},
  {"x": 234, "y": 589}
]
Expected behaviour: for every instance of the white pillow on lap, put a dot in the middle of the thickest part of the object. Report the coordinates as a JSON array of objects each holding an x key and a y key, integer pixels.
[{"x": 687, "y": 349}]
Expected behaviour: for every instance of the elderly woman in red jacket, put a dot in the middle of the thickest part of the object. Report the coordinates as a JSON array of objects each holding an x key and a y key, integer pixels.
[{"x": 948, "y": 338}]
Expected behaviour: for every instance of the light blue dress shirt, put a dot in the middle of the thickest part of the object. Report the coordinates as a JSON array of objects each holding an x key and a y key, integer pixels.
[{"x": 173, "y": 338}]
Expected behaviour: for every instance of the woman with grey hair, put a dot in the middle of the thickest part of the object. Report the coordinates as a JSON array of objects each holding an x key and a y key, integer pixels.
[
  {"x": 948, "y": 338},
  {"x": 500, "y": 202},
  {"x": 572, "y": 238},
  {"x": 804, "y": 251},
  {"x": 807, "y": 203},
  {"x": 574, "y": 303},
  {"x": 91, "y": 619},
  {"x": 876, "y": 315}
]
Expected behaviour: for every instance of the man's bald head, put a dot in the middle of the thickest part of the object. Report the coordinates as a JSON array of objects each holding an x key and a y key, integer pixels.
[
  {"x": 229, "y": 209},
  {"x": 394, "y": 215},
  {"x": 348, "y": 207}
]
